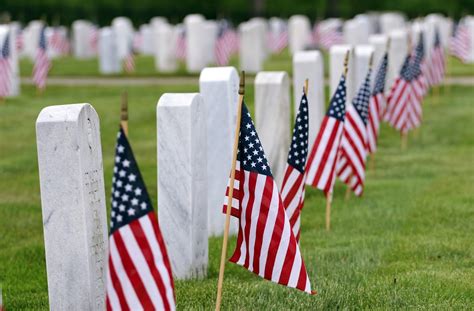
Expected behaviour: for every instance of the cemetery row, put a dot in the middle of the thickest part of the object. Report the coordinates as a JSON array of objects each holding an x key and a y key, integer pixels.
[
  {"x": 201, "y": 42},
  {"x": 195, "y": 135}
]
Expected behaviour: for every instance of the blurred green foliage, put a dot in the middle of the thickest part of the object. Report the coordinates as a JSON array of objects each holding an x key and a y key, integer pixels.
[{"x": 140, "y": 11}]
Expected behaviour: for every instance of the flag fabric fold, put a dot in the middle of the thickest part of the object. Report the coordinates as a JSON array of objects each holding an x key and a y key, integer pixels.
[
  {"x": 266, "y": 245},
  {"x": 320, "y": 167},
  {"x": 139, "y": 271},
  {"x": 293, "y": 186},
  {"x": 350, "y": 167}
]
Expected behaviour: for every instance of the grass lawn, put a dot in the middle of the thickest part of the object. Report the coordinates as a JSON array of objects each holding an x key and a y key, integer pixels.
[
  {"x": 407, "y": 244},
  {"x": 145, "y": 67}
]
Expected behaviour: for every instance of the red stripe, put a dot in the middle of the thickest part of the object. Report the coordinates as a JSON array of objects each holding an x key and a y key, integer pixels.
[
  {"x": 275, "y": 242},
  {"x": 161, "y": 243},
  {"x": 327, "y": 150},
  {"x": 107, "y": 304},
  {"x": 248, "y": 215},
  {"x": 262, "y": 222},
  {"x": 145, "y": 248},
  {"x": 132, "y": 272},
  {"x": 117, "y": 285},
  {"x": 294, "y": 188},
  {"x": 288, "y": 263},
  {"x": 236, "y": 256}
]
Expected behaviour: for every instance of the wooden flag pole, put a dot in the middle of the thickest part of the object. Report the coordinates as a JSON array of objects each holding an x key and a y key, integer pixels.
[
  {"x": 305, "y": 87},
  {"x": 231, "y": 192},
  {"x": 328, "y": 210},
  {"x": 124, "y": 113}
]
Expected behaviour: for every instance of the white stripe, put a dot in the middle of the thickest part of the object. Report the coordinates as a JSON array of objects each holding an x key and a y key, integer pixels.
[
  {"x": 290, "y": 181},
  {"x": 141, "y": 266},
  {"x": 147, "y": 227},
  {"x": 328, "y": 174},
  {"x": 128, "y": 290},
  {"x": 295, "y": 269},
  {"x": 282, "y": 250},
  {"x": 320, "y": 148},
  {"x": 257, "y": 203},
  {"x": 243, "y": 212},
  {"x": 112, "y": 294}
]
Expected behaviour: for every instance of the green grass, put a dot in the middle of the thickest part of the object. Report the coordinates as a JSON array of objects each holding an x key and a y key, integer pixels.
[
  {"x": 145, "y": 67},
  {"x": 407, "y": 244}
]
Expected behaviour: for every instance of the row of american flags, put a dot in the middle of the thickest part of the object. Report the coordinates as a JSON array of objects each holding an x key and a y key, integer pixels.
[{"x": 139, "y": 272}]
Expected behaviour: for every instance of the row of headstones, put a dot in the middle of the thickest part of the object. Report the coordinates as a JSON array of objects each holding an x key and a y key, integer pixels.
[{"x": 190, "y": 177}]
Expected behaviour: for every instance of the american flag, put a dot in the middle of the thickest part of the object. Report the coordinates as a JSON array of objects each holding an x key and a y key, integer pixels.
[
  {"x": 419, "y": 85},
  {"x": 5, "y": 68},
  {"x": 293, "y": 187},
  {"x": 139, "y": 271},
  {"x": 328, "y": 37},
  {"x": 19, "y": 41},
  {"x": 277, "y": 42},
  {"x": 322, "y": 159},
  {"x": 58, "y": 42},
  {"x": 129, "y": 61},
  {"x": 181, "y": 45},
  {"x": 42, "y": 63},
  {"x": 437, "y": 68},
  {"x": 398, "y": 99},
  {"x": 350, "y": 167},
  {"x": 223, "y": 46},
  {"x": 266, "y": 245},
  {"x": 460, "y": 43},
  {"x": 94, "y": 38},
  {"x": 377, "y": 105}
]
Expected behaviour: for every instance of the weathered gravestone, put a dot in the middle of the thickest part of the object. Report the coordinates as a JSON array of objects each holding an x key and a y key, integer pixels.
[
  {"x": 182, "y": 176},
  {"x": 251, "y": 54},
  {"x": 73, "y": 206},
  {"x": 337, "y": 54},
  {"x": 109, "y": 62},
  {"x": 165, "y": 50},
  {"x": 299, "y": 33},
  {"x": 272, "y": 118},
  {"x": 219, "y": 90},
  {"x": 309, "y": 65}
]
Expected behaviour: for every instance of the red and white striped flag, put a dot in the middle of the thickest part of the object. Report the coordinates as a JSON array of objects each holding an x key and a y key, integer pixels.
[
  {"x": 329, "y": 36},
  {"x": 460, "y": 43},
  {"x": 350, "y": 167},
  {"x": 139, "y": 272},
  {"x": 419, "y": 85},
  {"x": 59, "y": 42},
  {"x": 5, "y": 68},
  {"x": 181, "y": 45},
  {"x": 129, "y": 60},
  {"x": 94, "y": 38},
  {"x": 266, "y": 245},
  {"x": 377, "y": 105},
  {"x": 42, "y": 63},
  {"x": 223, "y": 47},
  {"x": 438, "y": 62},
  {"x": 19, "y": 41},
  {"x": 277, "y": 41},
  {"x": 322, "y": 159},
  {"x": 293, "y": 187}
]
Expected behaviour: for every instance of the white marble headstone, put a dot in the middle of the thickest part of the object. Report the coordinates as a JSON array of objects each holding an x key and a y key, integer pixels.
[
  {"x": 470, "y": 27},
  {"x": 82, "y": 39},
  {"x": 196, "y": 58},
  {"x": 219, "y": 90},
  {"x": 73, "y": 206},
  {"x": 309, "y": 65},
  {"x": 337, "y": 54},
  {"x": 165, "y": 50},
  {"x": 146, "y": 33},
  {"x": 362, "y": 60},
  {"x": 396, "y": 55},
  {"x": 182, "y": 182},
  {"x": 123, "y": 29},
  {"x": 251, "y": 55},
  {"x": 391, "y": 21},
  {"x": 272, "y": 118},
  {"x": 299, "y": 33},
  {"x": 356, "y": 31},
  {"x": 109, "y": 62}
]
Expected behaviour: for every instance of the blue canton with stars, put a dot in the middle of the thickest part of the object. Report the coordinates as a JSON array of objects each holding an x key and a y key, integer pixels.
[
  {"x": 406, "y": 71},
  {"x": 437, "y": 41},
  {"x": 379, "y": 86},
  {"x": 6, "y": 47},
  {"x": 42, "y": 40},
  {"x": 415, "y": 70},
  {"x": 299, "y": 144},
  {"x": 361, "y": 100},
  {"x": 250, "y": 152},
  {"x": 337, "y": 106},
  {"x": 130, "y": 199}
]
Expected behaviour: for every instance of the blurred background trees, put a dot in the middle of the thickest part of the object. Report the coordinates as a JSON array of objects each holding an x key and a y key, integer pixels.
[{"x": 140, "y": 11}]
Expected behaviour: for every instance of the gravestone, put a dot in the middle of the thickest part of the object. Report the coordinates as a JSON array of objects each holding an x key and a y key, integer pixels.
[
  {"x": 123, "y": 29},
  {"x": 356, "y": 31},
  {"x": 396, "y": 55},
  {"x": 309, "y": 65},
  {"x": 262, "y": 26},
  {"x": 337, "y": 54},
  {"x": 219, "y": 89},
  {"x": 272, "y": 118},
  {"x": 251, "y": 55},
  {"x": 82, "y": 39},
  {"x": 470, "y": 28},
  {"x": 362, "y": 53},
  {"x": 109, "y": 62},
  {"x": 31, "y": 35},
  {"x": 196, "y": 58},
  {"x": 73, "y": 206},
  {"x": 379, "y": 43},
  {"x": 146, "y": 33},
  {"x": 209, "y": 36},
  {"x": 165, "y": 51},
  {"x": 391, "y": 21},
  {"x": 299, "y": 33},
  {"x": 155, "y": 23},
  {"x": 182, "y": 182},
  {"x": 14, "y": 76}
]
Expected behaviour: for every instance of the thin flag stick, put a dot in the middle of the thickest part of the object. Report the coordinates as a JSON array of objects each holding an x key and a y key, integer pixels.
[
  {"x": 231, "y": 192},
  {"x": 305, "y": 88},
  {"x": 124, "y": 113}
]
